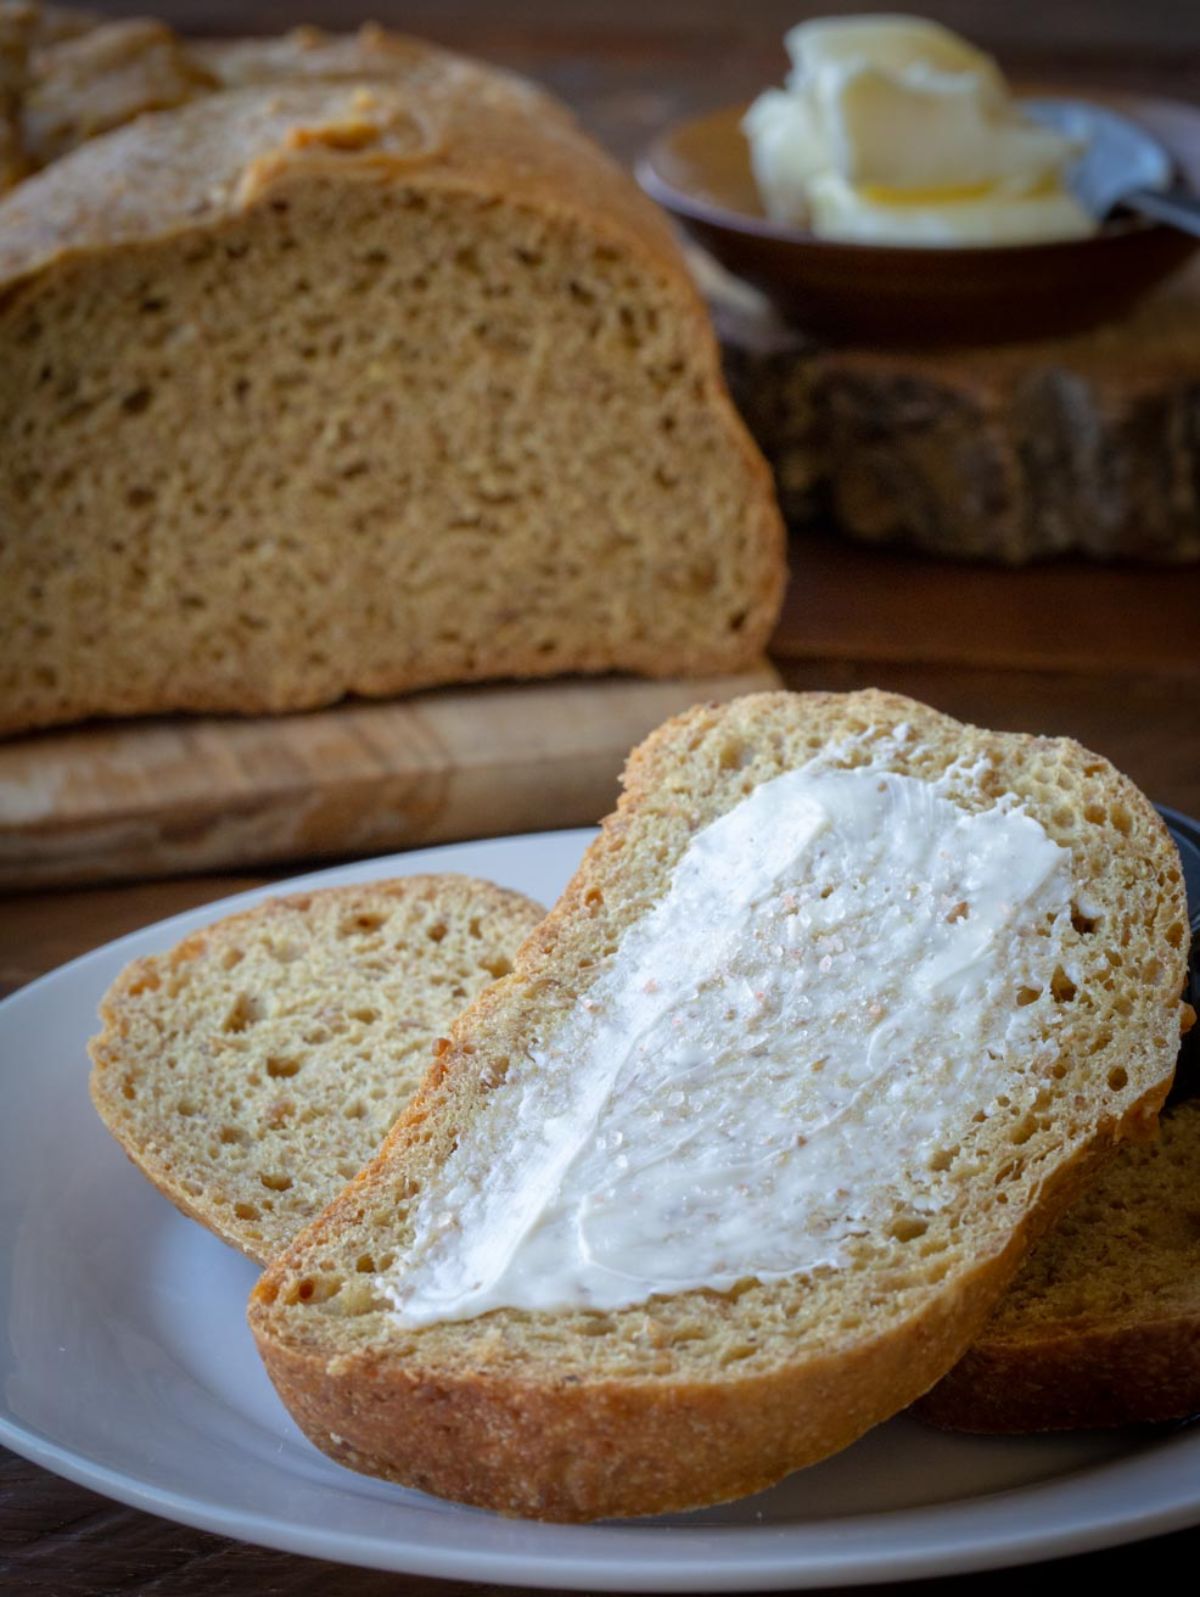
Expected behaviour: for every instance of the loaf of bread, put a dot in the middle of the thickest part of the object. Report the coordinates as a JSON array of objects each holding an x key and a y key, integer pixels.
[
  {"x": 756, "y": 1033},
  {"x": 101, "y": 78},
  {"x": 1102, "y": 1325},
  {"x": 255, "y": 1068},
  {"x": 359, "y": 371}
]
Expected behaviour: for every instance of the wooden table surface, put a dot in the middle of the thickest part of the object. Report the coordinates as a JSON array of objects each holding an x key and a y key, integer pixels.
[{"x": 1110, "y": 656}]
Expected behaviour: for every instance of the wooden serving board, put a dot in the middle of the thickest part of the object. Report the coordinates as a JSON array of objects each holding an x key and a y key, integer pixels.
[{"x": 155, "y": 798}]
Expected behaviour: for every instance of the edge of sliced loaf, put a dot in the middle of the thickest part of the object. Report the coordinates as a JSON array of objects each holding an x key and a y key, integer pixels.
[
  {"x": 1086, "y": 1339},
  {"x": 253, "y": 1069},
  {"x": 702, "y": 1397}
]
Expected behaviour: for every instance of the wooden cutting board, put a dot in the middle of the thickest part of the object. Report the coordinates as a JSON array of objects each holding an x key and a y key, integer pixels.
[{"x": 156, "y": 798}]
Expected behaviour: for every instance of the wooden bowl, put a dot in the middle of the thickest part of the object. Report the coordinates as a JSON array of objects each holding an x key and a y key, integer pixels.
[{"x": 699, "y": 170}]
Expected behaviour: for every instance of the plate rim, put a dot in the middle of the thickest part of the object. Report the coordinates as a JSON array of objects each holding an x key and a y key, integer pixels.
[{"x": 913, "y": 1543}]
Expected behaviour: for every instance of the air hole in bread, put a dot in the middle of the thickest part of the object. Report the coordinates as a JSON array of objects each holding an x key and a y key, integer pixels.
[
  {"x": 499, "y": 965},
  {"x": 280, "y": 1066},
  {"x": 368, "y": 1017},
  {"x": 943, "y": 1158},
  {"x": 436, "y": 932},
  {"x": 242, "y": 1013},
  {"x": 1118, "y": 1077},
  {"x": 231, "y": 958},
  {"x": 1027, "y": 995},
  {"x": 907, "y": 1227},
  {"x": 246, "y": 1211},
  {"x": 1094, "y": 813},
  {"x": 1085, "y": 925},
  {"x": 275, "y": 1182},
  {"x": 365, "y": 1264},
  {"x": 185, "y": 1107},
  {"x": 356, "y": 1110},
  {"x": 1062, "y": 988},
  {"x": 138, "y": 402},
  {"x": 233, "y": 1134}
]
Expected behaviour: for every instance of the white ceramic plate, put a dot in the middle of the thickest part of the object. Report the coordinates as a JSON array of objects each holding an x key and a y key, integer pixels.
[{"x": 126, "y": 1365}]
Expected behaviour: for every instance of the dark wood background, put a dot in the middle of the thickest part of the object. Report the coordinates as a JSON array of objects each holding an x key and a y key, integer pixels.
[
  {"x": 1110, "y": 656},
  {"x": 629, "y": 66}
]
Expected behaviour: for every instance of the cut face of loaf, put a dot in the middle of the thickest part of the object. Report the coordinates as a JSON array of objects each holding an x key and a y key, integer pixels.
[
  {"x": 254, "y": 1069},
  {"x": 326, "y": 387},
  {"x": 694, "y": 1396}
]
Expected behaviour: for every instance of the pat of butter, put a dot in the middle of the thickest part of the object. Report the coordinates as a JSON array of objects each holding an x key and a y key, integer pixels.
[
  {"x": 887, "y": 116},
  {"x": 826, "y": 997}
]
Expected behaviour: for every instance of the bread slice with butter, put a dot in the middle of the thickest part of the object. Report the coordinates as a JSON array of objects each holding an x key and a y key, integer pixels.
[
  {"x": 842, "y": 1007},
  {"x": 1102, "y": 1325},
  {"x": 253, "y": 1069}
]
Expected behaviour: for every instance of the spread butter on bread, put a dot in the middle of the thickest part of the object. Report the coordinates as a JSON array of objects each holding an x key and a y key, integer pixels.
[{"x": 844, "y": 1005}]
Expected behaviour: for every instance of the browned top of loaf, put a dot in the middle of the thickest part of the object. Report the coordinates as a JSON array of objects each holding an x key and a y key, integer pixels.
[
  {"x": 378, "y": 107},
  {"x": 86, "y": 83}
]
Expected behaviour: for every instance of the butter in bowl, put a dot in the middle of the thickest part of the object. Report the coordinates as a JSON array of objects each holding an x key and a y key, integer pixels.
[{"x": 895, "y": 188}]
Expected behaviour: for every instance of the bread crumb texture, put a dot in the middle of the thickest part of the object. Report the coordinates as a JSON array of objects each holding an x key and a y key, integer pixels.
[
  {"x": 358, "y": 371},
  {"x": 703, "y": 1396},
  {"x": 253, "y": 1070},
  {"x": 1102, "y": 1325}
]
